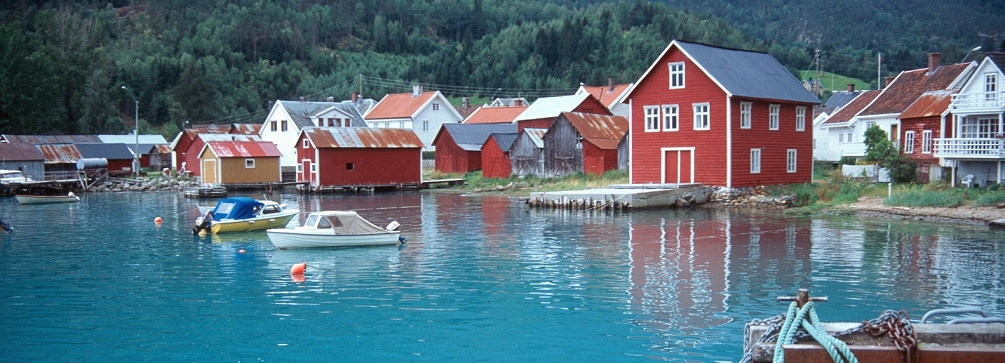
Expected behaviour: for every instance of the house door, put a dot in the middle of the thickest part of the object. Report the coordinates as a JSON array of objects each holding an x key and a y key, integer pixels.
[
  {"x": 209, "y": 171},
  {"x": 307, "y": 175},
  {"x": 678, "y": 165}
]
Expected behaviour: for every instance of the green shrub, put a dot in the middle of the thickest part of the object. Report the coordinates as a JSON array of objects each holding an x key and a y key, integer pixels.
[{"x": 990, "y": 199}]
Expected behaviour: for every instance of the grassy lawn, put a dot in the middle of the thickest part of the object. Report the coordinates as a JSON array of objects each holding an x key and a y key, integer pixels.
[
  {"x": 834, "y": 82},
  {"x": 475, "y": 181}
]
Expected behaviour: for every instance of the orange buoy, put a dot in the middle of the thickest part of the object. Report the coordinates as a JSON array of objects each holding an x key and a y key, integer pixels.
[
  {"x": 158, "y": 220},
  {"x": 298, "y": 269}
]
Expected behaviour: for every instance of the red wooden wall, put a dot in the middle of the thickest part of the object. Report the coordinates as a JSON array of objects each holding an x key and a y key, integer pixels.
[
  {"x": 495, "y": 162},
  {"x": 451, "y": 158},
  {"x": 370, "y": 167}
]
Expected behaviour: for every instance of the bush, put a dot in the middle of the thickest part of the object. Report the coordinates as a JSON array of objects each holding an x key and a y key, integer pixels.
[
  {"x": 921, "y": 198},
  {"x": 991, "y": 199}
]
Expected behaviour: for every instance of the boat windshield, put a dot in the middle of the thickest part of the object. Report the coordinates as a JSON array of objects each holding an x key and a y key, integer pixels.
[
  {"x": 311, "y": 221},
  {"x": 224, "y": 208}
]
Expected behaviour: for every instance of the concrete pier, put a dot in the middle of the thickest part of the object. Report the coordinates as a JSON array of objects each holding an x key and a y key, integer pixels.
[{"x": 624, "y": 196}]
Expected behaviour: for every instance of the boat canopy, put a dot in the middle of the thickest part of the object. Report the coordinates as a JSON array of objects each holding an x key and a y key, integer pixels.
[
  {"x": 236, "y": 208},
  {"x": 344, "y": 223}
]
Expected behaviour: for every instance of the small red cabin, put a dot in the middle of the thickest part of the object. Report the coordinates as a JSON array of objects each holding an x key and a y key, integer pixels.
[
  {"x": 496, "y": 162},
  {"x": 359, "y": 157},
  {"x": 459, "y": 146}
]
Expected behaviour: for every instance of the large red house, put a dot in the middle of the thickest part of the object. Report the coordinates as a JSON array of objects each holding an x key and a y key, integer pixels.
[
  {"x": 359, "y": 157},
  {"x": 721, "y": 117}
]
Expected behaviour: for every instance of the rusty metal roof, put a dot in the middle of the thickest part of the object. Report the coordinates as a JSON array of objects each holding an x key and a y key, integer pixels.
[
  {"x": 363, "y": 137},
  {"x": 159, "y": 149},
  {"x": 608, "y": 95},
  {"x": 909, "y": 85},
  {"x": 848, "y": 111},
  {"x": 399, "y": 105},
  {"x": 51, "y": 139},
  {"x": 19, "y": 152},
  {"x": 494, "y": 115},
  {"x": 245, "y": 129},
  {"x": 604, "y": 131},
  {"x": 536, "y": 135},
  {"x": 242, "y": 149},
  {"x": 60, "y": 153},
  {"x": 929, "y": 104}
]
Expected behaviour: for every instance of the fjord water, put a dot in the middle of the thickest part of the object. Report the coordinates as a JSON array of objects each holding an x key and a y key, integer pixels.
[{"x": 481, "y": 278}]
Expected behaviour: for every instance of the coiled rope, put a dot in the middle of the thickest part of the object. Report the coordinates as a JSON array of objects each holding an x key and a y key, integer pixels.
[{"x": 806, "y": 317}]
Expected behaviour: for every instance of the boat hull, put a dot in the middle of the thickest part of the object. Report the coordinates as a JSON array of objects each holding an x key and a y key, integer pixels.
[
  {"x": 301, "y": 238},
  {"x": 277, "y": 220},
  {"x": 46, "y": 199}
]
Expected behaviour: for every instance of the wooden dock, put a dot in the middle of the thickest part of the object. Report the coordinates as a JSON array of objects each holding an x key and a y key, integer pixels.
[
  {"x": 426, "y": 184},
  {"x": 624, "y": 196}
]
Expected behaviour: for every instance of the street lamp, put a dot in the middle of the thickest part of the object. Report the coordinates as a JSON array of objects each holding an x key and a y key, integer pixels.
[
  {"x": 136, "y": 131},
  {"x": 971, "y": 51}
]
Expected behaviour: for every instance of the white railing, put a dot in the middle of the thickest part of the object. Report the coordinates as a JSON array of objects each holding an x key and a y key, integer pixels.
[
  {"x": 972, "y": 148},
  {"x": 978, "y": 101}
]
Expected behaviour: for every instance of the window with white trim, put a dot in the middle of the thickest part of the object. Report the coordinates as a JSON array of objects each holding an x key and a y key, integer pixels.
[
  {"x": 755, "y": 161},
  {"x": 671, "y": 117},
  {"x": 677, "y": 75},
  {"x": 307, "y": 143},
  {"x": 425, "y": 125},
  {"x": 314, "y": 168},
  {"x": 790, "y": 161},
  {"x": 436, "y": 106},
  {"x": 909, "y": 142},
  {"x": 273, "y": 125},
  {"x": 849, "y": 137},
  {"x": 285, "y": 125},
  {"x": 926, "y": 142},
  {"x": 800, "y": 118},
  {"x": 773, "y": 116},
  {"x": 701, "y": 116},
  {"x": 990, "y": 86},
  {"x": 841, "y": 138},
  {"x": 745, "y": 108},
  {"x": 652, "y": 118},
  {"x": 300, "y": 168},
  {"x": 249, "y": 163}
]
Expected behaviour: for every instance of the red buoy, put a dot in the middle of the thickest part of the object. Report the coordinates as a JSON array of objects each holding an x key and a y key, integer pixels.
[
  {"x": 158, "y": 220},
  {"x": 298, "y": 269}
]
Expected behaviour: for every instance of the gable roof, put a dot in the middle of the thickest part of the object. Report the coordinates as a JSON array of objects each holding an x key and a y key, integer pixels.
[
  {"x": 131, "y": 139},
  {"x": 20, "y": 152},
  {"x": 909, "y": 85},
  {"x": 838, "y": 99},
  {"x": 472, "y": 137},
  {"x": 610, "y": 96},
  {"x": 494, "y": 115},
  {"x": 301, "y": 111},
  {"x": 998, "y": 58},
  {"x": 403, "y": 105},
  {"x": 108, "y": 151},
  {"x": 245, "y": 129},
  {"x": 242, "y": 149},
  {"x": 50, "y": 139},
  {"x": 504, "y": 140},
  {"x": 362, "y": 137},
  {"x": 59, "y": 153},
  {"x": 550, "y": 107},
  {"x": 846, "y": 113},
  {"x": 741, "y": 73},
  {"x": 933, "y": 103},
  {"x": 604, "y": 131},
  {"x": 535, "y": 135}
]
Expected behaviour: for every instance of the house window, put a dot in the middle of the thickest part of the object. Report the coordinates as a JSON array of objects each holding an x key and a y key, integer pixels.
[
  {"x": 314, "y": 168},
  {"x": 670, "y": 117},
  {"x": 652, "y": 118},
  {"x": 800, "y": 118},
  {"x": 926, "y": 142},
  {"x": 701, "y": 116},
  {"x": 745, "y": 114},
  {"x": 350, "y": 166},
  {"x": 387, "y": 125},
  {"x": 677, "y": 75},
  {"x": 990, "y": 86},
  {"x": 979, "y": 128},
  {"x": 849, "y": 137},
  {"x": 285, "y": 125},
  {"x": 790, "y": 161},
  {"x": 841, "y": 137},
  {"x": 425, "y": 126},
  {"x": 307, "y": 143},
  {"x": 909, "y": 142},
  {"x": 273, "y": 126},
  {"x": 300, "y": 168},
  {"x": 773, "y": 116},
  {"x": 436, "y": 106},
  {"x": 755, "y": 161},
  {"x": 249, "y": 163}
]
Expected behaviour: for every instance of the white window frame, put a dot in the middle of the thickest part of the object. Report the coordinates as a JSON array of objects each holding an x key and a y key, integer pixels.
[
  {"x": 926, "y": 142},
  {"x": 314, "y": 167},
  {"x": 425, "y": 125},
  {"x": 306, "y": 144},
  {"x": 300, "y": 167},
  {"x": 745, "y": 111},
  {"x": 755, "y": 161},
  {"x": 702, "y": 116},
  {"x": 850, "y": 136},
  {"x": 436, "y": 106},
  {"x": 773, "y": 111},
  {"x": 841, "y": 138},
  {"x": 790, "y": 161},
  {"x": 652, "y": 118},
  {"x": 800, "y": 118},
  {"x": 671, "y": 117},
  {"x": 676, "y": 74},
  {"x": 249, "y": 163},
  {"x": 909, "y": 142}
]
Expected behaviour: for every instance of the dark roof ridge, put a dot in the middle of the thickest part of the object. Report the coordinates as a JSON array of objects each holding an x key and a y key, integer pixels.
[{"x": 720, "y": 47}]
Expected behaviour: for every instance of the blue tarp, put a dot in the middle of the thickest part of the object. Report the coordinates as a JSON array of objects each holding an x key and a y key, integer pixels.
[{"x": 236, "y": 208}]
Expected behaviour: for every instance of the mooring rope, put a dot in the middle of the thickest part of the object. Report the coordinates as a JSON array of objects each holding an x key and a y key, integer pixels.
[{"x": 796, "y": 318}]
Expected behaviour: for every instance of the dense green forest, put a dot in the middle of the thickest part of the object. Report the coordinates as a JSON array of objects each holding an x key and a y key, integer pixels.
[{"x": 65, "y": 62}]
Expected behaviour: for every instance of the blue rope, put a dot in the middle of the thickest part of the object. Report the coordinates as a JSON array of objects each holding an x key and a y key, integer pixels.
[{"x": 794, "y": 319}]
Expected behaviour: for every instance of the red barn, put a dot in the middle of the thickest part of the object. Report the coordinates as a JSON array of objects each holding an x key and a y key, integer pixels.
[
  {"x": 545, "y": 110},
  {"x": 496, "y": 162},
  {"x": 359, "y": 157},
  {"x": 583, "y": 142},
  {"x": 459, "y": 146},
  {"x": 921, "y": 123},
  {"x": 722, "y": 117}
]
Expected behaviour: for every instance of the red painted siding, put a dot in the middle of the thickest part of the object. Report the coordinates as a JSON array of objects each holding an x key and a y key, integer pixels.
[
  {"x": 495, "y": 162},
  {"x": 597, "y": 161},
  {"x": 308, "y": 153},
  {"x": 919, "y": 125},
  {"x": 370, "y": 167},
  {"x": 541, "y": 123},
  {"x": 774, "y": 145},
  {"x": 710, "y": 145},
  {"x": 120, "y": 164},
  {"x": 182, "y": 150},
  {"x": 192, "y": 156},
  {"x": 451, "y": 158}
]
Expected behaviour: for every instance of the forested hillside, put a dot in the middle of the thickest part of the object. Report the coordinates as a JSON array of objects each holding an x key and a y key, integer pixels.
[{"x": 65, "y": 62}]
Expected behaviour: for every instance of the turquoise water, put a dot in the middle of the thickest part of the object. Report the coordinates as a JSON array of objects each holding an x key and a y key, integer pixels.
[{"x": 480, "y": 279}]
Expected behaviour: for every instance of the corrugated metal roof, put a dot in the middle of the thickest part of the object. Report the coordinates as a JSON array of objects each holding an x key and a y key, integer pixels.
[
  {"x": 301, "y": 111},
  {"x": 909, "y": 85},
  {"x": 130, "y": 139},
  {"x": 19, "y": 152},
  {"x": 362, "y": 137},
  {"x": 606, "y": 95},
  {"x": 245, "y": 129},
  {"x": 159, "y": 149},
  {"x": 604, "y": 131},
  {"x": 109, "y": 151},
  {"x": 494, "y": 115},
  {"x": 228, "y": 137},
  {"x": 846, "y": 113},
  {"x": 51, "y": 139},
  {"x": 399, "y": 105},
  {"x": 536, "y": 135},
  {"x": 929, "y": 104},
  {"x": 207, "y": 129},
  {"x": 243, "y": 149},
  {"x": 550, "y": 107},
  {"x": 472, "y": 137},
  {"x": 505, "y": 140},
  {"x": 60, "y": 153}
]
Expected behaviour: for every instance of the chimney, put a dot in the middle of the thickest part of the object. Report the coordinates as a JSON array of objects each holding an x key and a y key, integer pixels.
[
  {"x": 302, "y": 99},
  {"x": 416, "y": 90},
  {"x": 517, "y": 102},
  {"x": 465, "y": 103},
  {"x": 887, "y": 81},
  {"x": 331, "y": 99},
  {"x": 933, "y": 61},
  {"x": 610, "y": 85},
  {"x": 851, "y": 87},
  {"x": 355, "y": 97}
]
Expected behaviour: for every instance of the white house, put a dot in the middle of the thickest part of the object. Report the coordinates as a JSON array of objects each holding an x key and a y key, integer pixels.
[
  {"x": 973, "y": 139},
  {"x": 287, "y": 118},
  {"x": 834, "y": 137},
  {"x": 421, "y": 112}
]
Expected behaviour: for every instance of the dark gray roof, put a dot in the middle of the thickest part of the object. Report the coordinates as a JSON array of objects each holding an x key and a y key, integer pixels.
[
  {"x": 300, "y": 111},
  {"x": 838, "y": 99},
  {"x": 471, "y": 137},
  {"x": 998, "y": 58},
  {"x": 745, "y": 73},
  {"x": 107, "y": 151},
  {"x": 505, "y": 140}
]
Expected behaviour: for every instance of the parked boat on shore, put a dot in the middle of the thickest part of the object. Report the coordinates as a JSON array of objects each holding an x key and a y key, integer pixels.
[
  {"x": 335, "y": 229},
  {"x": 242, "y": 214}
]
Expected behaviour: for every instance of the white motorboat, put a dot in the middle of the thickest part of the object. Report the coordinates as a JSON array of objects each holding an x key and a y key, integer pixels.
[{"x": 335, "y": 229}]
